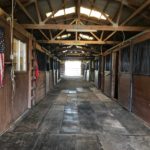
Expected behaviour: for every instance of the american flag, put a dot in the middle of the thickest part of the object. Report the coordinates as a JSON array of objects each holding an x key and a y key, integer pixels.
[{"x": 1, "y": 69}]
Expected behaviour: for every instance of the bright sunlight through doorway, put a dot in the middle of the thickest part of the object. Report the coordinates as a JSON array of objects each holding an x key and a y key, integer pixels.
[{"x": 72, "y": 68}]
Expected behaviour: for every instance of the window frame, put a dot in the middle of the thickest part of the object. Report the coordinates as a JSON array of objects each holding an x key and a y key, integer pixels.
[{"x": 26, "y": 55}]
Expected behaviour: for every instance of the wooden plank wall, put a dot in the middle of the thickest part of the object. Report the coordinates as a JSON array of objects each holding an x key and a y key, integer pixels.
[
  {"x": 124, "y": 90},
  {"x": 11, "y": 109},
  {"x": 135, "y": 98},
  {"x": 107, "y": 84},
  {"x": 40, "y": 86},
  {"x": 141, "y": 97}
]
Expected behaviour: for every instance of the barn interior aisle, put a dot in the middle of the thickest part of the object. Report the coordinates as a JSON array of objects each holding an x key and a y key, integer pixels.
[
  {"x": 77, "y": 116},
  {"x": 74, "y": 74}
]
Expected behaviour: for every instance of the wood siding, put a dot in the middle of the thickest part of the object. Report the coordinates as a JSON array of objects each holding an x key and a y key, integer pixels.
[
  {"x": 141, "y": 97},
  {"x": 40, "y": 86},
  {"x": 124, "y": 90},
  {"x": 107, "y": 84},
  {"x": 12, "y": 108}
]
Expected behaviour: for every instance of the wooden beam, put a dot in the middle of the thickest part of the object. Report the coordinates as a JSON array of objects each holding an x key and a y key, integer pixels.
[
  {"x": 105, "y": 8},
  {"x": 75, "y": 49},
  {"x": 54, "y": 11},
  {"x": 133, "y": 8},
  {"x": 92, "y": 6},
  {"x": 84, "y": 27},
  {"x": 107, "y": 17},
  {"x": 95, "y": 36},
  {"x": 74, "y": 42},
  {"x": 63, "y": 30},
  {"x": 38, "y": 11},
  {"x": 78, "y": 4},
  {"x": 29, "y": 3},
  {"x": 30, "y": 17},
  {"x": 135, "y": 13},
  {"x": 119, "y": 12},
  {"x": 136, "y": 39},
  {"x": 51, "y": 8}
]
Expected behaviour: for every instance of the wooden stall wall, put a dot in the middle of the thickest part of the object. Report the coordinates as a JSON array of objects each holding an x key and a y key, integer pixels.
[
  {"x": 141, "y": 80},
  {"x": 124, "y": 87},
  {"x": 11, "y": 107},
  {"x": 40, "y": 86},
  {"x": 108, "y": 75},
  {"x": 102, "y": 73},
  {"x": 41, "y": 80}
]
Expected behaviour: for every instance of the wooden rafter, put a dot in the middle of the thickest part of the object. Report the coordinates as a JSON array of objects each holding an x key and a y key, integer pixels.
[
  {"x": 95, "y": 36},
  {"x": 135, "y": 13},
  {"x": 64, "y": 4},
  {"x": 133, "y": 8},
  {"x": 54, "y": 11},
  {"x": 105, "y": 8},
  {"x": 38, "y": 11},
  {"x": 78, "y": 4},
  {"x": 29, "y": 3},
  {"x": 84, "y": 27},
  {"x": 119, "y": 12},
  {"x": 92, "y": 6},
  {"x": 30, "y": 17},
  {"x": 64, "y": 29},
  {"x": 51, "y": 8},
  {"x": 74, "y": 42},
  {"x": 107, "y": 17},
  {"x": 76, "y": 49}
]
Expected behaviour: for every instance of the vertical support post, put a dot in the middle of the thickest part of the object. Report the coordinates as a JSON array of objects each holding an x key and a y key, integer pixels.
[
  {"x": 102, "y": 72},
  {"x": 131, "y": 80},
  {"x": 99, "y": 71},
  {"x": 90, "y": 70},
  {"x": 113, "y": 74},
  {"x": 29, "y": 72}
]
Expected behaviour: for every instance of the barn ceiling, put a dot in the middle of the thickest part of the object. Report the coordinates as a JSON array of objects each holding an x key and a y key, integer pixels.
[{"x": 81, "y": 27}]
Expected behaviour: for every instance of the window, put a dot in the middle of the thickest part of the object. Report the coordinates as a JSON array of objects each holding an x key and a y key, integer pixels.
[
  {"x": 20, "y": 55},
  {"x": 83, "y": 10},
  {"x": 92, "y": 13},
  {"x": 64, "y": 36},
  {"x": 86, "y": 37},
  {"x": 62, "y": 12},
  {"x": 70, "y": 10}
]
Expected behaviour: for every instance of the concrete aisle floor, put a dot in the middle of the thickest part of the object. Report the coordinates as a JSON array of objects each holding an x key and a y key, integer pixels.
[{"x": 76, "y": 116}]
